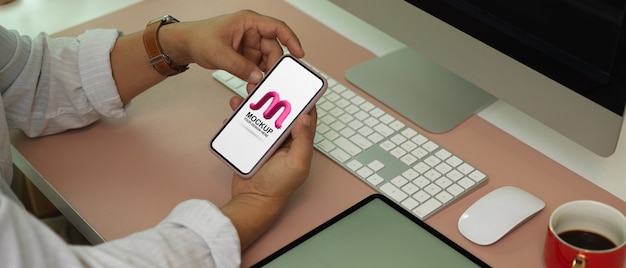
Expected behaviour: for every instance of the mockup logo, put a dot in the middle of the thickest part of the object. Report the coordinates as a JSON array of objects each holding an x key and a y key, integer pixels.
[{"x": 273, "y": 108}]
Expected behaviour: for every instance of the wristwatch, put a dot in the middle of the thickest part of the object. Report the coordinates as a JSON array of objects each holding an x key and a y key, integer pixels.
[{"x": 160, "y": 61}]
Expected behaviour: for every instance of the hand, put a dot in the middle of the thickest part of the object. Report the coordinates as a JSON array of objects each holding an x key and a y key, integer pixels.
[
  {"x": 243, "y": 43},
  {"x": 287, "y": 169},
  {"x": 256, "y": 202}
]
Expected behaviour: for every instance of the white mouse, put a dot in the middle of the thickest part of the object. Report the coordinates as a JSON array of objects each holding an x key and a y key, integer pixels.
[{"x": 497, "y": 213}]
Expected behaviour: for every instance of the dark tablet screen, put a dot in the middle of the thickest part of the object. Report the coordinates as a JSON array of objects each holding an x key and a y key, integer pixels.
[{"x": 373, "y": 233}]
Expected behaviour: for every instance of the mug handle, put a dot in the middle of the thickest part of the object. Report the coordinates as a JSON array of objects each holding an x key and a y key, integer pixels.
[{"x": 580, "y": 261}]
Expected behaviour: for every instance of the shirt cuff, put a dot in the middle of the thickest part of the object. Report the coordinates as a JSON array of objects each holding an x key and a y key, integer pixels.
[
  {"x": 96, "y": 76},
  {"x": 218, "y": 232}
]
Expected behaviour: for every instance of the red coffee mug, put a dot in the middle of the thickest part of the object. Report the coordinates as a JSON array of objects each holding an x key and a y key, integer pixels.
[{"x": 585, "y": 234}]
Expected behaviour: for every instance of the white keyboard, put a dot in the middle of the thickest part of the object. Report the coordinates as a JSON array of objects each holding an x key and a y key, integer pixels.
[{"x": 385, "y": 153}]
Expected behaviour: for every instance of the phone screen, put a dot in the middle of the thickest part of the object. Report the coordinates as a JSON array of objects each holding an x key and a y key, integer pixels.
[{"x": 258, "y": 125}]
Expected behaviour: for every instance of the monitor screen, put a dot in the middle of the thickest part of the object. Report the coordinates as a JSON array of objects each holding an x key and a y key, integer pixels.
[
  {"x": 577, "y": 43},
  {"x": 559, "y": 62}
]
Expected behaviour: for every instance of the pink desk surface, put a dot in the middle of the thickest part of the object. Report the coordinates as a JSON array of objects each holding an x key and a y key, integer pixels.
[{"x": 124, "y": 175}]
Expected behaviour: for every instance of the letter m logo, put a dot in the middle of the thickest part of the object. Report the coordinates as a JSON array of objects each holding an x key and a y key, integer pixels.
[{"x": 273, "y": 108}]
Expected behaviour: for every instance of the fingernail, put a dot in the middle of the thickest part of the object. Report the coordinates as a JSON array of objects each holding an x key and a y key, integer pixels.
[
  {"x": 255, "y": 77},
  {"x": 306, "y": 121}
]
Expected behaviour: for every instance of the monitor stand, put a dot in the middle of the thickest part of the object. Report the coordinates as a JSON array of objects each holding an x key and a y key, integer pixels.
[{"x": 422, "y": 91}]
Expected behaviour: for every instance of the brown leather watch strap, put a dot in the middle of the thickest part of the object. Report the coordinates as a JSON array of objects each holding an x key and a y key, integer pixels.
[{"x": 160, "y": 61}]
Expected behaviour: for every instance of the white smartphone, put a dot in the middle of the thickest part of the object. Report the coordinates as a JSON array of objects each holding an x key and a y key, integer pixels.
[{"x": 264, "y": 119}]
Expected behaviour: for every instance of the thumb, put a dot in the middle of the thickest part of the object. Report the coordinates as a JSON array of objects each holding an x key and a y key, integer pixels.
[{"x": 302, "y": 135}]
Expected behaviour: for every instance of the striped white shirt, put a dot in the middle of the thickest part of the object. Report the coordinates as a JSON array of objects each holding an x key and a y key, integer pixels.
[{"x": 49, "y": 85}]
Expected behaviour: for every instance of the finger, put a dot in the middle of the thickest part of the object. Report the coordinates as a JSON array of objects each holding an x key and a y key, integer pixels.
[
  {"x": 272, "y": 28},
  {"x": 302, "y": 138},
  {"x": 235, "y": 101},
  {"x": 250, "y": 87},
  {"x": 272, "y": 51},
  {"x": 239, "y": 66}
]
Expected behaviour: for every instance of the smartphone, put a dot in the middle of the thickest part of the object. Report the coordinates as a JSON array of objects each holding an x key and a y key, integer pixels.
[{"x": 264, "y": 119}]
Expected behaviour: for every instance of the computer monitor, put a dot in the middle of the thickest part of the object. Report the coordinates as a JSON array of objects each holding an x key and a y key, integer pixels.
[{"x": 559, "y": 61}]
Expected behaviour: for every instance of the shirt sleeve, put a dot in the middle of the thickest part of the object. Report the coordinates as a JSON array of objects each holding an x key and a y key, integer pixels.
[
  {"x": 195, "y": 234},
  {"x": 49, "y": 85}
]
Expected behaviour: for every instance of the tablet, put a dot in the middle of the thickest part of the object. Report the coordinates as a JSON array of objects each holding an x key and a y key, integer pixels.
[{"x": 375, "y": 232}]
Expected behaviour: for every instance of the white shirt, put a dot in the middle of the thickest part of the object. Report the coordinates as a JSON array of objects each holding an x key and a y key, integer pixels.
[{"x": 49, "y": 85}]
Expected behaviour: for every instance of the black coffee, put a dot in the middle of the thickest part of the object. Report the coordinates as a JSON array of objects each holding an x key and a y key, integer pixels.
[{"x": 587, "y": 240}]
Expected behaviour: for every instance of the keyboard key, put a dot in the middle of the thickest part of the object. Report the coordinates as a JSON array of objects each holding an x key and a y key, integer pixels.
[
  {"x": 355, "y": 124},
  {"x": 348, "y": 146},
  {"x": 326, "y": 106},
  {"x": 366, "y": 131},
  {"x": 430, "y": 146},
  {"x": 357, "y": 100},
  {"x": 386, "y": 119},
  {"x": 398, "y": 139},
  {"x": 361, "y": 115},
  {"x": 419, "y": 153},
  {"x": 361, "y": 141},
  {"x": 348, "y": 94},
  {"x": 347, "y": 132},
  {"x": 336, "y": 112},
  {"x": 377, "y": 112},
  {"x": 375, "y": 137},
  {"x": 443, "y": 154},
  {"x": 443, "y": 182},
  {"x": 477, "y": 175},
  {"x": 443, "y": 168},
  {"x": 419, "y": 139},
  {"x": 393, "y": 192},
  {"x": 375, "y": 179},
  {"x": 346, "y": 118},
  {"x": 408, "y": 159},
  {"x": 454, "y": 161},
  {"x": 444, "y": 197},
  {"x": 354, "y": 165},
  {"x": 399, "y": 181},
  {"x": 366, "y": 106},
  {"x": 421, "y": 196},
  {"x": 322, "y": 128},
  {"x": 465, "y": 168},
  {"x": 376, "y": 165},
  {"x": 454, "y": 175},
  {"x": 397, "y": 125},
  {"x": 432, "y": 161},
  {"x": 409, "y": 146},
  {"x": 387, "y": 145},
  {"x": 326, "y": 145},
  {"x": 364, "y": 172},
  {"x": 410, "y": 203},
  {"x": 342, "y": 103},
  {"x": 340, "y": 155},
  {"x": 432, "y": 189},
  {"x": 397, "y": 152},
  {"x": 332, "y": 135},
  {"x": 467, "y": 183},
  {"x": 421, "y": 181},
  {"x": 383, "y": 130},
  {"x": 410, "y": 174},
  {"x": 408, "y": 132},
  {"x": 427, "y": 207},
  {"x": 455, "y": 190},
  {"x": 352, "y": 109},
  {"x": 410, "y": 188},
  {"x": 421, "y": 167}
]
